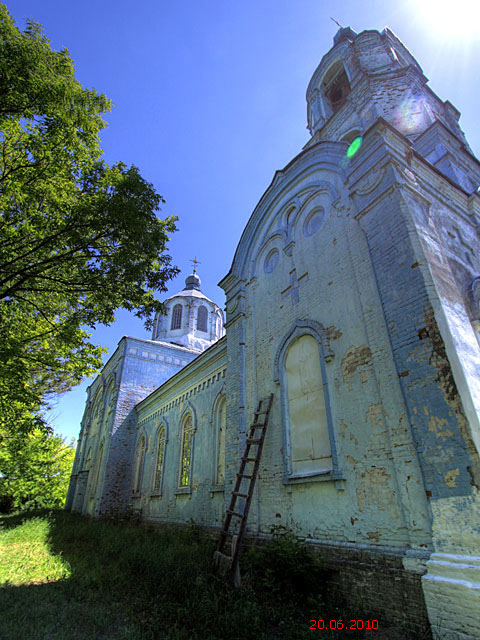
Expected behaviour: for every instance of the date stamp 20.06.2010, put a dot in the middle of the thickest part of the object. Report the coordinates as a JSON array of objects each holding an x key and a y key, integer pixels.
[{"x": 320, "y": 625}]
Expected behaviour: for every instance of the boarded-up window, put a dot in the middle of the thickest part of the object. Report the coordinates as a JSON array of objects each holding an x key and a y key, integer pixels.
[
  {"x": 176, "y": 317},
  {"x": 186, "y": 453},
  {"x": 221, "y": 425},
  {"x": 308, "y": 427},
  {"x": 202, "y": 318},
  {"x": 160, "y": 459}
]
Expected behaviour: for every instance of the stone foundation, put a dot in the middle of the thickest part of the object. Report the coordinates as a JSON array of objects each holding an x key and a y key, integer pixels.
[
  {"x": 383, "y": 583},
  {"x": 452, "y": 594}
]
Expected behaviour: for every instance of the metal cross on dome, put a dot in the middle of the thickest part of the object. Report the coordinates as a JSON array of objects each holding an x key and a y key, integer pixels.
[{"x": 195, "y": 262}]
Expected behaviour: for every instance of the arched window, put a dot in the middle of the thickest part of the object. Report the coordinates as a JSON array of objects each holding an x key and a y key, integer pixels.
[
  {"x": 309, "y": 439},
  {"x": 140, "y": 463},
  {"x": 159, "y": 463},
  {"x": 176, "y": 317},
  {"x": 156, "y": 327},
  {"x": 97, "y": 413},
  {"x": 98, "y": 469},
  {"x": 109, "y": 406},
  {"x": 221, "y": 423},
  {"x": 84, "y": 445},
  {"x": 202, "y": 318},
  {"x": 301, "y": 366},
  {"x": 185, "y": 473},
  {"x": 88, "y": 460}
]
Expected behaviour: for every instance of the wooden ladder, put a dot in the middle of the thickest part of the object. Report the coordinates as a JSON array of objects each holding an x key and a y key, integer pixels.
[{"x": 255, "y": 438}]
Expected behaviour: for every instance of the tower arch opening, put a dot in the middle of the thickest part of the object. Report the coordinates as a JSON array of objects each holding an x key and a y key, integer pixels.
[{"x": 336, "y": 86}]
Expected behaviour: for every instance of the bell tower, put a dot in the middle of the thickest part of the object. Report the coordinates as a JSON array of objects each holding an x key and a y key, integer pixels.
[{"x": 373, "y": 75}]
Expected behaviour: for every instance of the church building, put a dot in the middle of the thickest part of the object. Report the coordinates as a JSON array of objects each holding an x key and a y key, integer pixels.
[{"x": 353, "y": 297}]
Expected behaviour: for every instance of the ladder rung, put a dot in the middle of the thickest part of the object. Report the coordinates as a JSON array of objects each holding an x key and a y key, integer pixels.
[
  {"x": 234, "y": 513},
  {"x": 223, "y": 562}
]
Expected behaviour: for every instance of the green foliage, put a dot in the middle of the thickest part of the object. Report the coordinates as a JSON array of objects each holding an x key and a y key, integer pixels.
[
  {"x": 35, "y": 470},
  {"x": 286, "y": 569},
  {"x": 79, "y": 238}
]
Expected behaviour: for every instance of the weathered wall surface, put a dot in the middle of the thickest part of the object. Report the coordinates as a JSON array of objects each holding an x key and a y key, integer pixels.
[
  {"x": 135, "y": 369},
  {"x": 96, "y": 423},
  {"x": 147, "y": 365},
  {"x": 374, "y": 497},
  {"x": 196, "y": 391},
  {"x": 369, "y": 499},
  {"x": 424, "y": 281}
]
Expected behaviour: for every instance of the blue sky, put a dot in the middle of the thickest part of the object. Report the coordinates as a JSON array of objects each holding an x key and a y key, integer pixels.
[{"x": 209, "y": 101}]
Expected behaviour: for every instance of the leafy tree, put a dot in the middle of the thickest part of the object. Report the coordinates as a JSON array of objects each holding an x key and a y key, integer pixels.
[
  {"x": 78, "y": 238},
  {"x": 34, "y": 470}
]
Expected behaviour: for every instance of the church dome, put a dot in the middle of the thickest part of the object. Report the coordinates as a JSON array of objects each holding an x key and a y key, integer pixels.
[
  {"x": 193, "y": 282},
  {"x": 192, "y": 320}
]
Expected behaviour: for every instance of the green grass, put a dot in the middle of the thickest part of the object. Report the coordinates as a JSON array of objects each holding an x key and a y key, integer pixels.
[
  {"x": 27, "y": 557},
  {"x": 63, "y": 577}
]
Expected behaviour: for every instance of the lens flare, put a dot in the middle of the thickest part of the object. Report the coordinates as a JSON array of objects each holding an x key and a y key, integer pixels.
[
  {"x": 354, "y": 147},
  {"x": 412, "y": 115}
]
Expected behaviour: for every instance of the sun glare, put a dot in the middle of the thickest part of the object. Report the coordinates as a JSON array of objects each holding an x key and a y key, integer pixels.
[{"x": 449, "y": 20}]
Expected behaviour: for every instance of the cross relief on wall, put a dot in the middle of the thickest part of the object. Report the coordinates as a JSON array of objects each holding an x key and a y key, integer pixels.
[{"x": 294, "y": 287}]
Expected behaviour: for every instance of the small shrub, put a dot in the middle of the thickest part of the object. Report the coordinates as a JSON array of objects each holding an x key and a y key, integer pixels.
[{"x": 285, "y": 568}]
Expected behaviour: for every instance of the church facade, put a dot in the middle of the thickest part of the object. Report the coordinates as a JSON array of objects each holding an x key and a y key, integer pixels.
[{"x": 354, "y": 297}]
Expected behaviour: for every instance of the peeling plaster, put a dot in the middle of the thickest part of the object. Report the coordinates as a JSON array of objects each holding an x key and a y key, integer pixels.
[
  {"x": 450, "y": 477},
  {"x": 374, "y": 410},
  {"x": 373, "y": 489},
  {"x": 333, "y": 333},
  {"x": 435, "y": 424},
  {"x": 355, "y": 357}
]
